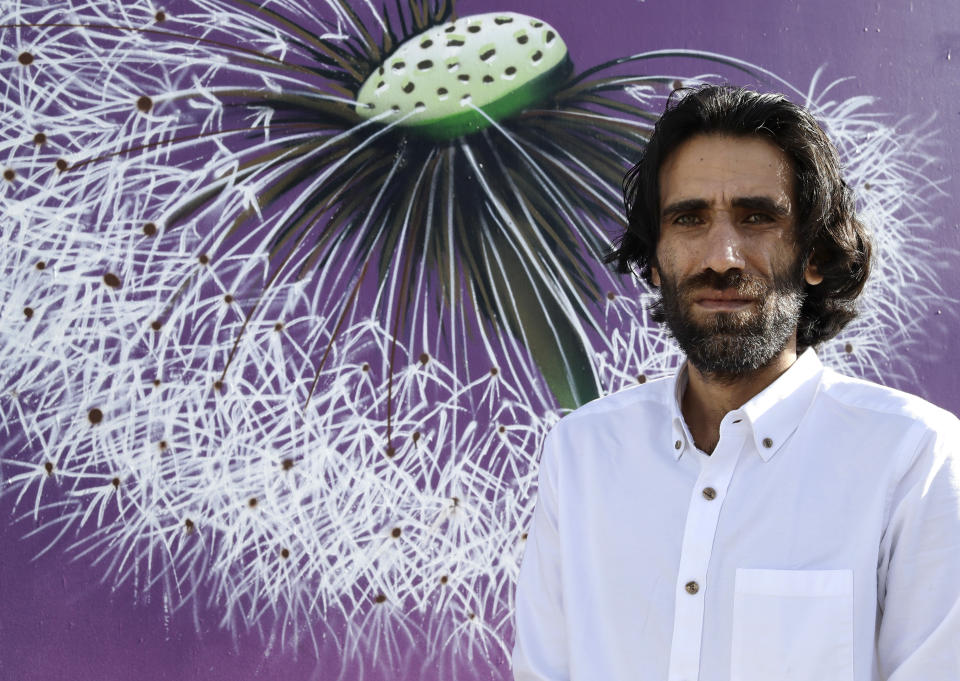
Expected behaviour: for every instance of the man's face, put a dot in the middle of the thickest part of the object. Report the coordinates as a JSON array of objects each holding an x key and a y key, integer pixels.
[{"x": 731, "y": 286}]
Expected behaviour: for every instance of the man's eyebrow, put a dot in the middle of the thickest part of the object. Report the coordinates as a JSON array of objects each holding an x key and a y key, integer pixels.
[
  {"x": 764, "y": 203},
  {"x": 684, "y": 206}
]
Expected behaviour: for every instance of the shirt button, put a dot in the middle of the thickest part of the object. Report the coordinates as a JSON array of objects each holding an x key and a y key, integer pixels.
[
  {"x": 709, "y": 493},
  {"x": 767, "y": 442},
  {"x": 692, "y": 587},
  {"x": 677, "y": 444}
]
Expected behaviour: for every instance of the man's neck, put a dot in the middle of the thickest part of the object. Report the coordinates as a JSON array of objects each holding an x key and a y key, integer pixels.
[{"x": 708, "y": 398}]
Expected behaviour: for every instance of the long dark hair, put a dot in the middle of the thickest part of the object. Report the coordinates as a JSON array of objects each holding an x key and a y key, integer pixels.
[{"x": 828, "y": 229}]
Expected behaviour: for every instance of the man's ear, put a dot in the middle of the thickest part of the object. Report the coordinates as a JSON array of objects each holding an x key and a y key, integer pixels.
[
  {"x": 654, "y": 276},
  {"x": 811, "y": 274}
]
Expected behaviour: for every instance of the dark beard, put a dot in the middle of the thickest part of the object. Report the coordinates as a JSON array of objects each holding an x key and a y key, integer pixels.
[{"x": 732, "y": 344}]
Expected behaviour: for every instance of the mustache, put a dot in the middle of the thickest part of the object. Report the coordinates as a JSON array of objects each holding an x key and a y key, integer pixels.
[{"x": 744, "y": 284}]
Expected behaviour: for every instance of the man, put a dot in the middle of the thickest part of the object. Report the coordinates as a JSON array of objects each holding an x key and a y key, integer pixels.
[{"x": 757, "y": 517}]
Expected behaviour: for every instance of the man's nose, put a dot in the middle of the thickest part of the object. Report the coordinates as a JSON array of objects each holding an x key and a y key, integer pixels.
[{"x": 723, "y": 246}]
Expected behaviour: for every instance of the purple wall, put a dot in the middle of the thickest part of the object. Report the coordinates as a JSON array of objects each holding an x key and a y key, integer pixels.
[{"x": 58, "y": 621}]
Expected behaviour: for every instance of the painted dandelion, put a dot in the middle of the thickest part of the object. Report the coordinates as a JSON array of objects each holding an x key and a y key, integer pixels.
[{"x": 290, "y": 296}]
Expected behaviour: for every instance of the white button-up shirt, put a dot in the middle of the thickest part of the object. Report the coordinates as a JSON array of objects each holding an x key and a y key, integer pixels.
[{"x": 820, "y": 541}]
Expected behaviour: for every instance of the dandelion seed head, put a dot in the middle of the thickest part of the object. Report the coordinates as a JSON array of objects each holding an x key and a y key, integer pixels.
[{"x": 471, "y": 46}]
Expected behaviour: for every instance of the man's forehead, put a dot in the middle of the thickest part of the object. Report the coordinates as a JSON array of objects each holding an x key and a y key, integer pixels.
[{"x": 723, "y": 169}]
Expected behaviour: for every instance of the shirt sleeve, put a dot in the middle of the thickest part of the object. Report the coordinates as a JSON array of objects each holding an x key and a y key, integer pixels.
[
  {"x": 919, "y": 572},
  {"x": 540, "y": 652}
]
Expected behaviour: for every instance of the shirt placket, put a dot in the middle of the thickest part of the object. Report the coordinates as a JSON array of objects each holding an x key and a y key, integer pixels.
[{"x": 703, "y": 514}]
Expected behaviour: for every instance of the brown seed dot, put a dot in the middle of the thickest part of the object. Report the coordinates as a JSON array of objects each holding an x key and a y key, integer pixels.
[
  {"x": 95, "y": 416},
  {"x": 611, "y": 295},
  {"x": 9, "y": 174},
  {"x": 115, "y": 482},
  {"x": 425, "y": 64},
  {"x": 442, "y": 91},
  {"x": 144, "y": 103},
  {"x": 536, "y": 24},
  {"x": 62, "y": 164},
  {"x": 488, "y": 55},
  {"x": 203, "y": 259},
  {"x": 25, "y": 58},
  {"x": 218, "y": 386},
  {"x": 252, "y": 502},
  {"x": 163, "y": 445},
  {"x": 848, "y": 348},
  {"x": 28, "y": 312},
  {"x": 500, "y": 21},
  {"x": 408, "y": 87},
  {"x": 41, "y": 265},
  {"x": 867, "y": 186},
  {"x": 156, "y": 383},
  {"x": 472, "y": 615},
  {"x": 111, "y": 280},
  {"x": 381, "y": 70},
  {"x": 424, "y": 358},
  {"x": 396, "y": 532},
  {"x": 284, "y": 553},
  {"x": 188, "y": 525},
  {"x": 641, "y": 379},
  {"x": 287, "y": 464},
  {"x": 278, "y": 326},
  {"x": 391, "y": 451},
  {"x": 426, "y": 44},
  {"x": 228, "y": 299},
  {"x": 395, "y": 108},
  {"x": 419, "y": 106},
  {"x": 455, "y": 500},
  {"x": 473, "y": 29},
  {"x": 537, "y": 56},
  {"x": 551, "y": 36},
  {"x": 365, "y": 367},
  {"x": 150, "y": 229},
  {"x": 160, "y": 16},
  {"x": 450, "y": 29},
  {"x": 444, "y": 579},
  {"x": 523, "y": 536},
  {"x": 523, "y": 39},
  {"x": 39, "y": 138},
  {"x": 464, "y": 78},
  {"x": 488, "y": 79},
  {"x": 48, "y": 466},
  {"x": 454, "y": 42},
  {"x": 494, "y": 371},
  {"x": 156, "y": 325},
  {"x": 380, "y": 598},
  {"x": 416, "y": 436},
  {"x": 399, "y": 65},
  {"x": 510, "y": 70},
  {"x": 502, "y": 429}
]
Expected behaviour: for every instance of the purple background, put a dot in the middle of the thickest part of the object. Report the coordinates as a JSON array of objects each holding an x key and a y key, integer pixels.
[{"x": 58, "y": 621}]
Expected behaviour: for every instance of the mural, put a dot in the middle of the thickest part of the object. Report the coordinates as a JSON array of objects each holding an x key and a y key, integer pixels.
[{"x": 292, "y": 291}]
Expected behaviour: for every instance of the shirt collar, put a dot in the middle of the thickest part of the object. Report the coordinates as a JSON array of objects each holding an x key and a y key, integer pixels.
[{"x": 772, "y": 414}]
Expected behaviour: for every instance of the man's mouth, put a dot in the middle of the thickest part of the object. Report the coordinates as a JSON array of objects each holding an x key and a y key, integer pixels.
[{"x": 723, "y": 301}]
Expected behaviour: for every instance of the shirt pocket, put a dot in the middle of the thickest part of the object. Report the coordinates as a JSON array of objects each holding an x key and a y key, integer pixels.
[{"x": 792, "y": 625}]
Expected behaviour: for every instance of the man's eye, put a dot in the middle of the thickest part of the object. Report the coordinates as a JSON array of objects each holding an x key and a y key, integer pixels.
[
  {"x": 758, "y": 218},
  {"x": 687, "y": 219}
]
